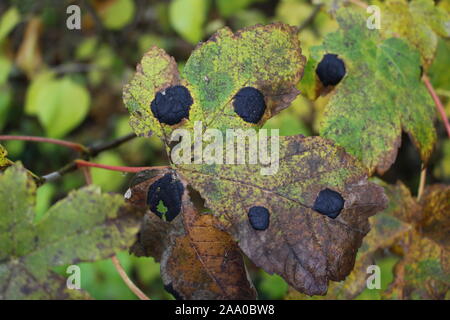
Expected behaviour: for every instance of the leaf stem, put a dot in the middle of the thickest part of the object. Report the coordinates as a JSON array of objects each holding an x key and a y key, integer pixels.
[
  {"x": 127, "y": 280},
  {"x": 423, "y": 178},
  {"x": 83, "y": 163},
  {"x": 71, "y": 145},
  {"x": 437, "y": 102}
]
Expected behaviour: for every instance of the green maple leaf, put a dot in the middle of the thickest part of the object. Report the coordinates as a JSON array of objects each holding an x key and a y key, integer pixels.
[
  {"x": 85, "y": 226},
  {"x": 265, "y": 57},
  {"x": 303, "y": 246},
  {"x": 419, "y": 21},
  {"x": 380, "y": 95}
]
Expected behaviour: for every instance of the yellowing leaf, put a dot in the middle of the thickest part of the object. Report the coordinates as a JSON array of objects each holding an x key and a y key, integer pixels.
[
  {"x": 419, "y": 21},
  {"x": 29, "y": 56},
  {"x": 380, "y": 95},
  {"x": 4, "y": 161},
  {"x": 303, "y": 246},
  {"x": 267, "y": 58}
]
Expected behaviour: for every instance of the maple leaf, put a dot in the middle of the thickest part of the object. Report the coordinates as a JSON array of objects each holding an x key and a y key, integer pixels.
[
  {"x": 307, "y": 248},
  {"x": 424, "y": 271},
  {"x": 416, "y": 230},
  {"x": 198, "y": 260},
  {"x": 385, "y": 230},
  {"x": 267, "y": 58},
  {"x": 419, "y": 21},
  {"x": 390, "y": 97},
  {"x": 84, "y": 226}
]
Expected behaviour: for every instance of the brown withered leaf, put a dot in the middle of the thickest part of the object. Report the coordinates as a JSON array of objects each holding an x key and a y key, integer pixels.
[
  {"x": 385, "y": 230},
  {"x": 303, "y": 246},
  {"x": 424, "y": 271},
  {"x": 198, "y": 261},
  {"x": 436, "y": 214}
]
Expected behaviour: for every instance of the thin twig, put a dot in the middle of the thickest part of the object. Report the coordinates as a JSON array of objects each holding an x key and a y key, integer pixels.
[
  {"x": 437, "y": 102},
  {"x": 82, "y": 163},
  {"x": 127, "y": 280},
  {"x": 310, "y": 19},
  {"x": 71, "y": 145},
  {"x": 87, "y": 175},
  {"x": 95, "y": 150},
  {"x": 87, "y": 152},
  {"x": 423, "y": 178}
]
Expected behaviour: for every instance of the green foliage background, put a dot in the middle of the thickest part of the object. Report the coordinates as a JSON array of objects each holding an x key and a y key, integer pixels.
[{"x": 62, "y": 83}]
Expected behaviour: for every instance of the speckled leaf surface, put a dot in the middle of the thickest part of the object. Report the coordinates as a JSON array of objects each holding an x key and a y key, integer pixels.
[
  {"x": 156, "y": 72},
  {"x": 4, "y": 161},
  {"x": 198, "y": 260},
  {"x": 303, "y": 246},
  {"x": 424, "y": 271},
  {"x": 420, "y": 22},
  {"x": 265, "y": 57},
  {"x": 391, "y": 97},
  {"x": 84, "y": 226}
]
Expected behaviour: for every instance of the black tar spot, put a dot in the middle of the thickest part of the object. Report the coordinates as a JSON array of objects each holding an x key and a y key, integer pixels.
[
  {"x": 169, "y": 288},
  {"x": 329, "y": 203},
  {"x": 259, "y": 218},
  {"x": 168, "y": 190},
  {"x": 172, "y": 105},
  {"x": 249, "y": 104},
  {"x": 330, "y": 70}
]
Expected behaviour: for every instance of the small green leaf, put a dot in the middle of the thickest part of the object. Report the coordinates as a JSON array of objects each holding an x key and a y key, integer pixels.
[
  {"x": 37, "y": 85},
  {"x": 8, "y": 21},
  {"x": 60, "y": 104},
  {"x": 187, "y": 18},
  {"x": 84, "y": 226},
  {"x": 118, "y": 14},
  {"x": 230, "y": 7}
]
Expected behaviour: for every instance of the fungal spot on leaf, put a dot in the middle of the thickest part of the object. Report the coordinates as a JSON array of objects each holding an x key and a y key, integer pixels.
[
  {"x": 164, "y": 197},
  {"x": 329, "y": 203},
  {"x": 330, "y": 70},
  {"x": 259, "y": 218},
  {"x": 172, "y": 105},
  {"x": 169, "y": 288},
  {"x": 249, "y": 104}
]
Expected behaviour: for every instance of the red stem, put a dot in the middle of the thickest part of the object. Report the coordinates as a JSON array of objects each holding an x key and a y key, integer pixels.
[
  {"x": 71, "y": 145},
  {"x": 438, "y": 102},
  {"x": 83, "y": 163}
]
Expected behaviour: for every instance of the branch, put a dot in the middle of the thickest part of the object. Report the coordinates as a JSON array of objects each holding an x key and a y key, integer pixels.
[
  {"x": 71, "y": 145},
  {"x": 82, "y": 163},
  {"x": 437, "y": 102},
  {"x": 127, "y": 280},
  {"x": 95, "y": 150},
  {"x": 310, "y": 19}
]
